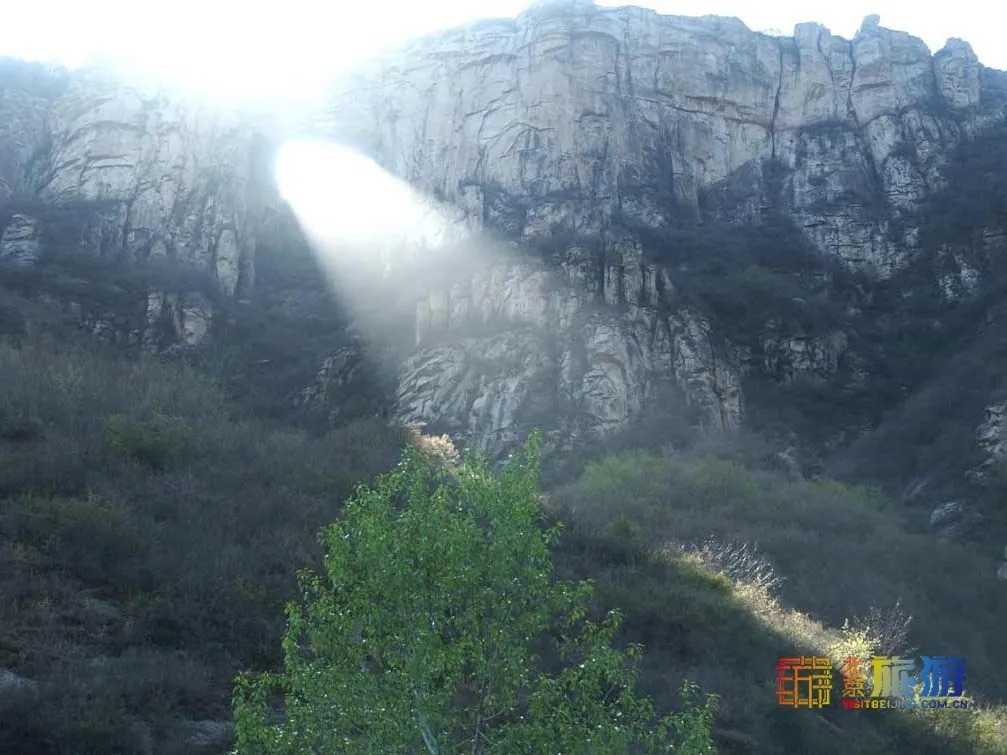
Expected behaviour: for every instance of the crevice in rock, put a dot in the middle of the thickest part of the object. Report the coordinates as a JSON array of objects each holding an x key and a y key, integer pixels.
[
  {"x": 851, "y": 110},
  {"x": 776, "y": 101}
]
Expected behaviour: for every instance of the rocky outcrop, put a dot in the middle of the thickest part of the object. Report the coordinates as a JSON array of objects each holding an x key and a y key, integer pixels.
[
  {"x": 518, "y": 345},
  {"x": 127, "y": 172},
  {"x": 789, "y": 357},
  {"x": 953, "y": 519},
  {"x": 990, "y": 438},
  {"x": 957, "y": 70},
  {"x": 991, "y": 432},
  {"x": 19, "y": 242},
  {"x": 207, "y": 735},
  {"x": 587, "y": 122},
  {"x": 176, "y": 319},
  {"x": 572, "y": 115}
]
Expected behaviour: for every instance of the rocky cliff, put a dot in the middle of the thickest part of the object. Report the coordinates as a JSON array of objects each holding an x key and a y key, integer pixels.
[
  {"x": 617, "y": 151},
  {"x": 577, "y": 121},
  {"x": 573, "y": 114},
  {"x": 90, "y": 161}
]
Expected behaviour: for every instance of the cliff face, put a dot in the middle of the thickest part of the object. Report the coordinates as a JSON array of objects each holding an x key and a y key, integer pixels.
[
  {"x": 571, "y": 131},
  {"x": 138, "y": 175},
  {"x": 573, "y": 114},
  {"x": 578, "y": 121}
]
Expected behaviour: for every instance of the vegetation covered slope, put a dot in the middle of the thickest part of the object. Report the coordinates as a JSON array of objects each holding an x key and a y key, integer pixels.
[
  {"x": 151, "y": 530},
  {"x": 721, "y": 568}
]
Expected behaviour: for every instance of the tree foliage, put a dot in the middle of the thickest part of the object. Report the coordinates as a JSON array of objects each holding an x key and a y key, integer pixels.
[{"x": 437, "y": 626}]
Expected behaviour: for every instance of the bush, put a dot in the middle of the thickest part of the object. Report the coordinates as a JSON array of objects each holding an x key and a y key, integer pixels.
[
  {"x": 740, "y": 562},
  {"x": 19, "y": 427},
  {"x": 157, "y": 442},
  {"x": 12, "y": 322},
  {"x": 888, "y": 628},
  {"x": 975, "y": 196},
  {"x": 743, "y": 276},
  {"x": 133, "y": 480},
  {"x": 91, "y": 706},
  {"x": 89, "y": 537}
]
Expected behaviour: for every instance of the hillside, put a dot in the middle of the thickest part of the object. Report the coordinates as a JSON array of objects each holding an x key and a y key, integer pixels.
[
  {"x": 749, "y": 287},
  {"x": 152, "y": 528}
]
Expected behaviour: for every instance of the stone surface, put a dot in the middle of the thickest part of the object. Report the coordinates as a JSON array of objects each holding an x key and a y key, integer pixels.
[
  {"x": 19, "y": 242},
  {"x": 145, "y": 173},
  {"x": 572, "y": 114},
  {"x": 789, "y": 357},
  {"x": 957, "y": 70},
  {"x": 953, "y": 519},
  {"x": 176, "y": 319},
  {"x": 990, "y": 438},
  {"x": 516, "y": 345},
  {"x": 584, "y": 121},
  {"x": 581, "y": 120},
  {"x": 208, "y": 734},
  {"x": 335, "y": 379}
]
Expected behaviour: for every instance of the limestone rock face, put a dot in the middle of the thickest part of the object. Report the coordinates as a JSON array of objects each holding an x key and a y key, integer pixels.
[
  {"x": 586, "y": 121},
  {"x": 991, "y": 435},
  {"x": 517, "y": 346},
  {"x": 573, "y": 115},
  {"x": 791, "y": 357},
  {"x": 144, "y": 175},
  {"x": 180, "y": 177},
  {"x": 957, "y": 71},
  {"x": 19, "y": 242},
  {"x": 953, "y": 519},
  {"x": 991, "y": 432},
  {"x": 176, "y": 319}
]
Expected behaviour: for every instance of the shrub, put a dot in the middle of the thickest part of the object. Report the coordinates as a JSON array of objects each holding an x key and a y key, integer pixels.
[
  {"x": 19, "y": 427},
  {"x": 888, "y": 628},
  {"x": 854, "y": 648},
  {"x": 90, "y": 537},
  {"x": 157, "y": 442},
  {"x": 693, "y": 724},
  {"x": 740, "y": 562},
  {"x": 91, "y": 705},
  {"x": 12, "y": 322},
  {"x": 722, "y": 483}
]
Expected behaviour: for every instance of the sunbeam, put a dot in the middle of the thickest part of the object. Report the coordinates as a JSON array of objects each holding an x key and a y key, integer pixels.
[{"x": 354, "y": 212}]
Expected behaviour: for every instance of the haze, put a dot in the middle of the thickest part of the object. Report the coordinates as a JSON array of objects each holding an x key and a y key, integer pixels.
[{"x": 236, "y": 50}]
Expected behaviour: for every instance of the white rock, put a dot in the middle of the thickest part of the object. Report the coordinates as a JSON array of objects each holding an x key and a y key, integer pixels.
[{"x": 19, "y": 241}]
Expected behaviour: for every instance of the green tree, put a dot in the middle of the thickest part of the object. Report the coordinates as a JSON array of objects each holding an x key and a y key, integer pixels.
[{"x": 438, "y": 627}]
